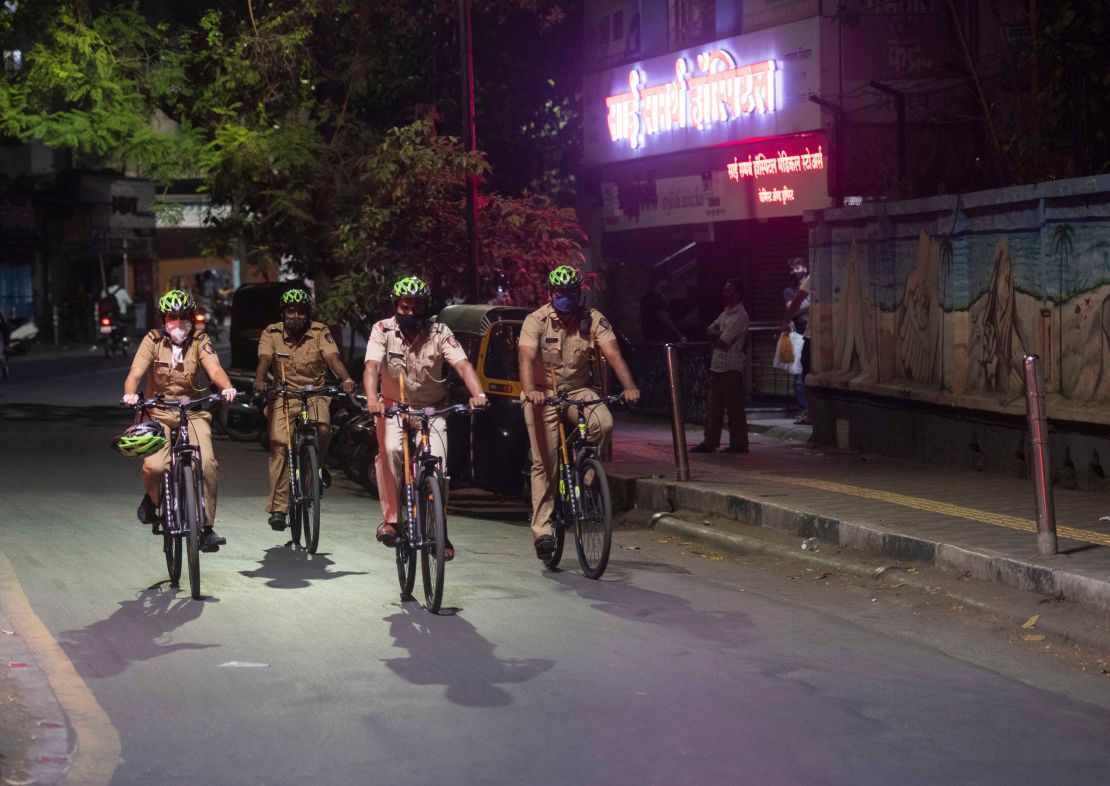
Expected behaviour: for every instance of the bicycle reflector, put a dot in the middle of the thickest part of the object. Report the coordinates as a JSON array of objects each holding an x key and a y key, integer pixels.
[
  {"x": 140, "y": 440},
  {"x": 105, "y": 321}
]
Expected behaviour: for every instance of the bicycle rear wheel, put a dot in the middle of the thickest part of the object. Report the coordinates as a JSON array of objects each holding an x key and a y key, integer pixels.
[
  {"x": 433, "y": 523},
  {"x": 310, "y": 497},
  {"x": 593, "y": 532},
  {"x": 191, "y": 520},
  {"x": 171, "y": 546},
  {"x": 406, "y": 567}
]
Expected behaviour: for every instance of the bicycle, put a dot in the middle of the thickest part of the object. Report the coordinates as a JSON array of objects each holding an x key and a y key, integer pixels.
[
  {"x": 303, "y": 464},
  {"x": 581, "y": 492},
  {"x": 424, "y": 520},
  {"x": 183, "y": 511}
]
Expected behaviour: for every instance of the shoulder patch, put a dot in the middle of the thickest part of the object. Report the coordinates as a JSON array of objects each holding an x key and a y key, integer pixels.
[
  {"x": 451, "y": 341},
  {"x": 328, "y": 337},
  {"x": 273, "y": 330},
  {"x": 605, "y": 324}
]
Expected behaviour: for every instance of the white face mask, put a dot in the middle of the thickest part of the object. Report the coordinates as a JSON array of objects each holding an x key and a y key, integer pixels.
[{"x": 179, "y": 334}]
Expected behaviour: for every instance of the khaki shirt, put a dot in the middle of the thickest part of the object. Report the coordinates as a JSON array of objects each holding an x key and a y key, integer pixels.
[
  {"x": 301, "y": 361},
  {"x": 173, "y": 380},
  {"x": 421, "y": 360},
  {"x": 569, "y": 353}
]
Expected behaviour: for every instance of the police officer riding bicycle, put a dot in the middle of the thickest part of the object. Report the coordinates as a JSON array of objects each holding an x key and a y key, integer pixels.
[
  {"x": 175, "y": 355},
  {"x": 410, "y": 343},
  {"x": 298, "y": 351},
  {"x": 557, "y": 344}
]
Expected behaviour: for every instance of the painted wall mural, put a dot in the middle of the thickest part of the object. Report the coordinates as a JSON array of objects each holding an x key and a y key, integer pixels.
[{"x": 940, "y": 299}]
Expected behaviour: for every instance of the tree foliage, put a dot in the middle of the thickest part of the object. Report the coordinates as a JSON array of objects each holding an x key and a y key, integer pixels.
[{"x": 296, "y": 118}]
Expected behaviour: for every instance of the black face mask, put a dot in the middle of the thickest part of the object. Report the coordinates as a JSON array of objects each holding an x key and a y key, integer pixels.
[
  {"x": 410, "y": 323},
  {"x": 296, "y": 326},
  {"x": 799, "y": 275}
]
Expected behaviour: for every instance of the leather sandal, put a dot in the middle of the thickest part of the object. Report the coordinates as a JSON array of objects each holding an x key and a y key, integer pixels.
[{"x": 387, "y": 533}]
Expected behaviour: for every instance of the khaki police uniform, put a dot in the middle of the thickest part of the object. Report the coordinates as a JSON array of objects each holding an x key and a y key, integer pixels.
[
  {"x": 422, "y": 361},
  {"x": 569, "y": 354},
  {"x": 299, "y": 363},
  {"x": 174, "y": 378}
]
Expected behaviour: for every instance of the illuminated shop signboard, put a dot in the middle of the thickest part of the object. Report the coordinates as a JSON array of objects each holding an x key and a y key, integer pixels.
[
  {"x": 764, "y": 179},
  {"x": 746, "y": 87},
  {"x": 717, "y": 90}
]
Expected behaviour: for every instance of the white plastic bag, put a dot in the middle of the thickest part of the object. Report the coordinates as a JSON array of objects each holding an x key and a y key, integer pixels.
[{"x": 796, "y": 341}]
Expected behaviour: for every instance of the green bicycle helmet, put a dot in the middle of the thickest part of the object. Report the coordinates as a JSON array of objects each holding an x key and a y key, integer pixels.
[
  {"x": 295, "y": 297},
  {"x": 176, "y": 302},
  {"x": 140, "y": 440},
  {"x": 411, "y": 286},
  {"x": 564, "y": 276}
]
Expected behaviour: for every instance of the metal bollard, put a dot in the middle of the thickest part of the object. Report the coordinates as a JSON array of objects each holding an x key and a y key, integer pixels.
[
  {"x": 678, "y": 420},
  {"x": 1042, "y": 468}
]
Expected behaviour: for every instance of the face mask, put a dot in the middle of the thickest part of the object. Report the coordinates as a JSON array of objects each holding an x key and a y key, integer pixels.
[
  {"x": 565, "y": 304},
  {"x": 296, "y": 325},
  {"x": 799, "y": 275},
  {"x": 410, "y": 323},
  {"x": 179, "y": 334}
]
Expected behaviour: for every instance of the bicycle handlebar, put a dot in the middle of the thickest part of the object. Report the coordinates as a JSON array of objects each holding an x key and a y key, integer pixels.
[
  {"x": 304, "y": 393},
  {"x": 563, "y": 399},
  {"x": 183, "y": 403},
  {"x": 425, "y": 412}
]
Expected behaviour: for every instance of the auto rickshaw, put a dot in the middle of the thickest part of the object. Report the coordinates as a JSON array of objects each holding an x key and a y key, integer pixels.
[{"x": 490, "y": 450}]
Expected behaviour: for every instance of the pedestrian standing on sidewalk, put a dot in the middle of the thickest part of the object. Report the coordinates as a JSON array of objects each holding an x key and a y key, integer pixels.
[
  {"x": 793, "y": 309},
  {"x": 726, "y": 377},
  {"x": 798, "y": 272}
]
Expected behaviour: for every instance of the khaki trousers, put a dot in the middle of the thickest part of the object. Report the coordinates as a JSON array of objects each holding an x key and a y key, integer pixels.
[
  {"x": 157, "y": 464},
  {"x": 391, "y": 458},
  {"x": 543, "y": 436},
  {"x": 726, "y": 395},
  {"x": 280, "y": 420}
]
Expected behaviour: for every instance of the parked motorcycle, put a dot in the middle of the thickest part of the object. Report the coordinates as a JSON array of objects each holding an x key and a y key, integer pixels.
[{"x": 114, "y": 338}]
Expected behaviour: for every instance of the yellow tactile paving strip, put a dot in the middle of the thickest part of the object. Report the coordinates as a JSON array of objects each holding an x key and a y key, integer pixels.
[{"x": 933, "y": 506}]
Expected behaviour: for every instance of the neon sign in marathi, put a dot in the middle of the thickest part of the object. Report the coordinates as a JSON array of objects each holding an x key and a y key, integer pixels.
[
  {"x": 784, "y": 164},
  {"x": 720, "y": 93}
]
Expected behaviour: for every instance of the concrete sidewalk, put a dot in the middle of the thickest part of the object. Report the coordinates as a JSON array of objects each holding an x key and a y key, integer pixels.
[{"x": 973, "y": 524}]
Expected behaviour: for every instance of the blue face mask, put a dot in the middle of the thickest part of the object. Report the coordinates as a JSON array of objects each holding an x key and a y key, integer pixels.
[{"x": 565, "y": 304}]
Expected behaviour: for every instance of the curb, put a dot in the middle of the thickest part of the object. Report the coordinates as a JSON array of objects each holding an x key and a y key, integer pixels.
[
  {"x": 744, "y": 545},
  {"x": 655, "y": 494},
  {"x": 49, "y": 754}
]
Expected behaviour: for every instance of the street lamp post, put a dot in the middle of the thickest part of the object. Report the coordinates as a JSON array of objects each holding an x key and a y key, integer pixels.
[{"x": 466, "y": 54}]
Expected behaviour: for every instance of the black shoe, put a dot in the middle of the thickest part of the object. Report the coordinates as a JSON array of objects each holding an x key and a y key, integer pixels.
[
  {"x": 545, "y": 546},
  {"x": 147, "y": 512},
  {"x": 210, "y": 540},
  {"x": 325, "y": 478},
  {"x": 277, "y": 521},
  {"x": 702, "y": 448}
]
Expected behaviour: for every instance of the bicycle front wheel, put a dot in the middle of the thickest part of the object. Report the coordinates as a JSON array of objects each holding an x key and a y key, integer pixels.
[
  {"x": 433, "y": 524},
  {"x": 593, "y": 532},
  {"x": 190, "y": 515},
  {"x": 310, "y": 497}
]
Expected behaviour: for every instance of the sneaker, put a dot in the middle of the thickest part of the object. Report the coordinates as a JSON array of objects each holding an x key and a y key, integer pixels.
[
  {"x": 147, "y": 512},
  {"x": 277, "y": 521},
  {"x": 387, "y": 534},
  {"x": 545, "y": 546},
  {"x": 702, "y": 448},
  {"x": 448, "y": 551},
  {"x": 210, "y": 540}
]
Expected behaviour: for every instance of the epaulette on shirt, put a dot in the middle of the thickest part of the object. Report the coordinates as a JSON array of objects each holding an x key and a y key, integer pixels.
[{"x": 273, "y": 329}]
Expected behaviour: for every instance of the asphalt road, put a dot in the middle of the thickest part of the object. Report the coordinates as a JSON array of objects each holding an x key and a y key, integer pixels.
[{"x": 676, "y": 668}]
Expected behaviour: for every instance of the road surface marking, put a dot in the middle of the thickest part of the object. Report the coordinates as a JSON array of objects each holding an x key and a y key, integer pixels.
[
  {"x": 934, "y": 506},
  {"x": 98, "y": 746}
]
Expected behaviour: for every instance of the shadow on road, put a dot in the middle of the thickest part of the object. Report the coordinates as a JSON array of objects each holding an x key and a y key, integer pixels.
[
  {"x": 290, "y": 567},
  {"x": 449, "y": 651},
  {"x": 621, "y": 598},
  {"x": 137, "y": 631}
]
